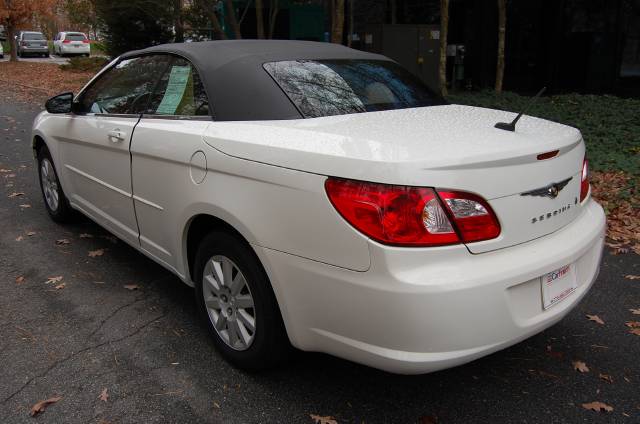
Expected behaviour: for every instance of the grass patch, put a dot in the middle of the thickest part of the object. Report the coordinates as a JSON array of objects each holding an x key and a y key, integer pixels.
[{"x": 85, "y": 64}]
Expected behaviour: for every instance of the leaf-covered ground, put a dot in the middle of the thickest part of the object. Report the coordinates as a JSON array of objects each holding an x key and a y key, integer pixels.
[{"x": 611, "y": 129}]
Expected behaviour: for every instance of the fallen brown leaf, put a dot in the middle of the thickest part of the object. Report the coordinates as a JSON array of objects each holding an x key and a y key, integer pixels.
[
  {"x": 54, "y": 280},
  {"x": 635, "y": 311},
  {"x": 94, "y": 253},
  {"x": 20, "y": 279},
  {"x": 635, "y": 331},
  {"x": 104, "y": 396},
  {"x": 31, "y": 233},
  {"x": 606, "y": 377},
  {"x": 317, "y": 419},
  {"x": 15, "y": 194},
  {"x": 25, "y": 206},
  {"x": 60, "y": 286},
  {"x": 632, "y": 277},
  {"x": 131, "y": 287},
  {"x": 5, "y": 171},
  {"x": 216, "y": 405},
  {"x": 19, "y": 238},
  {"x": 580, "y": 366},
  {"x": 597, "y": 406},
  {"x": 632, "y": 324},
  {"x": 41, "y": 406},
  {"x": 62, "y": 242},
  {"x": 596, "y": 319}
]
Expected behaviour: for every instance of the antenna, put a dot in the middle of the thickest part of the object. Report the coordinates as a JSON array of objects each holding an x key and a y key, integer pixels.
[{"x": 511, "y": 126}]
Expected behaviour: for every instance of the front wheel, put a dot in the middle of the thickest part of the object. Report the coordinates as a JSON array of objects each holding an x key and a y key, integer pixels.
[
  {"x": 235, "y": 297},
  {"x": 55, "y": 200}
]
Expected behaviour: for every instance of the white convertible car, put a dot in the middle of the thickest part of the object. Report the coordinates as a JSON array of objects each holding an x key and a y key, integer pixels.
[{"x": 322, "y": 197}]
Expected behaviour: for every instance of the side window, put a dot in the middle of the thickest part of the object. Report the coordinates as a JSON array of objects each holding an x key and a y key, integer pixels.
[
  {"x": 125, "y": 88},
  {"x": 180, "y": 92}
]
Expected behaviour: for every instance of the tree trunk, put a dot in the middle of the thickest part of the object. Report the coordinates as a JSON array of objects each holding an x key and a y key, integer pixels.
[
  {"x": 444, "y": 28},
  {"x": 259, "y": 19},
  {"x": 502, "y": 25},
  {"x": 273, "y": 14},
  {"x": 209, "y": 9},
  {"x": 177, "y": 21},
  {"x": 231, "y": 14},
  {"x": 393, "y": 4},
  {"x": 337, "y": 21},
  {"x": 351, "y": 24},
  {"x": 12, "y": 42}
]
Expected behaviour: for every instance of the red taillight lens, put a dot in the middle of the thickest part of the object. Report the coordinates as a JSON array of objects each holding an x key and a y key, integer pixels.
[
  {"x": 412, "y": 216},
  {"x": 66, "y": 41},
  {"x": 391, "y": 214},
  {"x": 584, "y": 180},
  {"x": 472, "y": 215},
  {"x": 85, "y": 41}
]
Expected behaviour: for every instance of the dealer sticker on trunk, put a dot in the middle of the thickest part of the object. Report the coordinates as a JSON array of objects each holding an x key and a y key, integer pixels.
[{"x": 558, "y": 285}]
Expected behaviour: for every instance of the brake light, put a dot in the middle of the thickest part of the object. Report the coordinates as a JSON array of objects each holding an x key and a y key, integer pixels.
[
  {"x": 472, "y": 215},
  {"x": 66, "y": 41},
  {"x": 411, "y": 216},
  {"x": 85, "y": 41},
  {"x": 584, "y": 179}
]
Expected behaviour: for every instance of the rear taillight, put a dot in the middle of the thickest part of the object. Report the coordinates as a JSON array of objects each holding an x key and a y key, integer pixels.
[
  {"x": 472, "y": 215},
  {"x": 85, "y": 41},
  {"x": 411, "y": 216},
  {"x": 584, "y": 180},
  {"x": 66, "y": 41}
]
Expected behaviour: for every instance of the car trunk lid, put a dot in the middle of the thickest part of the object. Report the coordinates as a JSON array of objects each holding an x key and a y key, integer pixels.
[{"x": 448, "y": 147}]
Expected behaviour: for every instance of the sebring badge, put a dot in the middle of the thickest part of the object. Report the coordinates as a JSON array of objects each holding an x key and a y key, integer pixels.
[{"x": 551, "y": 190}]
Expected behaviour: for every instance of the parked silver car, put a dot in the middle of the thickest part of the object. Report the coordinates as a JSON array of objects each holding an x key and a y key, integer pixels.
[{"x": 31, "y": 43}]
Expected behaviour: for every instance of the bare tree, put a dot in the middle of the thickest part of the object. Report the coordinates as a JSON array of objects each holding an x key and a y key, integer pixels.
[
  {"x": 444, "y": 28},
  {"x": 393, "y": 4},
  {"x": 208, "y": 7},
  {"x": 177, "y": 21},
  {"x": 502, "y": 24},
  {"x": 231, "y": 14},
  {"x": 259, "y": 19},
  {"x": 273, "y": 14},
  {"x": 337, "y": 21}
]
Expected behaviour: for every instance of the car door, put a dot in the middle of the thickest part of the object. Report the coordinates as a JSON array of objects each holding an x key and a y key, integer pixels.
[
  {"x": 94, "y": 143},
  {"x": 168, "y": 160}
]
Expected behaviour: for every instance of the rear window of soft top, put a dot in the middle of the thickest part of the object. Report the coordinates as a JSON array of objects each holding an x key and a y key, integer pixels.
[{"x": 337, "y": 87}]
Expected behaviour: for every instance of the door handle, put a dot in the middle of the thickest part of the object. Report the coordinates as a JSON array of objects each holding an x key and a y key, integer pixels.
[{"x": 116, "y": 136}]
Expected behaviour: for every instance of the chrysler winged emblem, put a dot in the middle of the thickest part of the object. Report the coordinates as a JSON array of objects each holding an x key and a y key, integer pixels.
[{"x": 551, "y": 190}]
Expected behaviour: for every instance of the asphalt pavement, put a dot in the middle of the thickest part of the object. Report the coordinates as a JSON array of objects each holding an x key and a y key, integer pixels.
[{"x": 77, "y": 336}]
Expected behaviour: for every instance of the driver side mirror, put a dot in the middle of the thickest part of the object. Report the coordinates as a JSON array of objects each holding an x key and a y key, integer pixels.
[{"x": 60, "y": 104}]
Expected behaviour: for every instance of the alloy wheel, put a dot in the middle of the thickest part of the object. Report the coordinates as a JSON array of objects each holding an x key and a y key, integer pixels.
[
  {"x": 49, "y": 184},
  {"x": 229, "y": 302}
]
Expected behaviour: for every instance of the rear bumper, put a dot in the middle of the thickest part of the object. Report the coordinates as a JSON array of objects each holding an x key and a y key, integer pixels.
[
  {"x": 84, "y": 49},
  {"x": 421, "y": 310},
  {"x": 38, "y": 50}
]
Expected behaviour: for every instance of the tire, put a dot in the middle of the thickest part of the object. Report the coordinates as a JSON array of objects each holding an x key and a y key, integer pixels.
[
  {"x": 268, "y": 345},
  {"x": 55, "y": 201}
]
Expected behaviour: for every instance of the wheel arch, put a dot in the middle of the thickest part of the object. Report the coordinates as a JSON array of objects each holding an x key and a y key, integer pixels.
[{"x": 198, "y": 227}]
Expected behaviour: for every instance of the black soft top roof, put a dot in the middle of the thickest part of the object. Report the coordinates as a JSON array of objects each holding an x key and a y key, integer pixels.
[{"x": 238, "y": 87}]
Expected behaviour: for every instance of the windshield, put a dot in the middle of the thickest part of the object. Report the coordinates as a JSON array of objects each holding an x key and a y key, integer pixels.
[
  {"x": 336, "y": 87},
  {"x": 74, "y": 37},
  {"x": 32, "y": 36}
]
